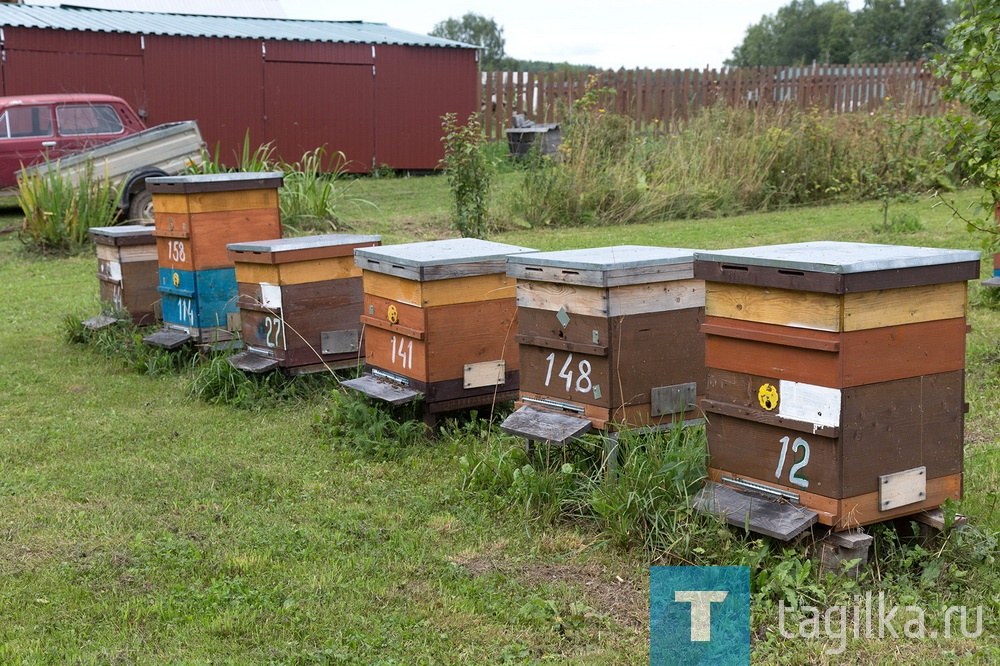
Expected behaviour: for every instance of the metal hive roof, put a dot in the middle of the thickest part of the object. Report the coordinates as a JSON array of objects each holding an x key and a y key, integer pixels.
[{"x": 188, "y": 25}]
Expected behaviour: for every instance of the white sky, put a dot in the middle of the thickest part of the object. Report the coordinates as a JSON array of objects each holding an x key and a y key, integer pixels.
[{"x": 675, "y": 34}]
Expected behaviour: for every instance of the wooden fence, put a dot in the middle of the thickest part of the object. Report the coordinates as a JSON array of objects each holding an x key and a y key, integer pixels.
[{"x": 657, "y": 99}]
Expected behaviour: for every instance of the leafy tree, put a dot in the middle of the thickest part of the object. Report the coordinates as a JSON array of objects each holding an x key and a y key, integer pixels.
[
  {"x": 475, "y": 29},
  {"x": 803, "y": 32},
  {"x": 799, "y": 33},
  {"x": 894, "y": 30},
  {"x": 971, "y": 67}
]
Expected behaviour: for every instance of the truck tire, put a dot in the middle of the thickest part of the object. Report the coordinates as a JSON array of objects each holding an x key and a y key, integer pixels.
[{"x": 140, "y": 207}]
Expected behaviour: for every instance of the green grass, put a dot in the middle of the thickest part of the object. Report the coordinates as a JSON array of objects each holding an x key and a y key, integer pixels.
[{"x": 141, "y": 525}]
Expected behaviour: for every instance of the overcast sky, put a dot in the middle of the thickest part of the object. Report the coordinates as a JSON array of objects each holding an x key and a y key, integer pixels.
[{"x": 629, "y": 33}]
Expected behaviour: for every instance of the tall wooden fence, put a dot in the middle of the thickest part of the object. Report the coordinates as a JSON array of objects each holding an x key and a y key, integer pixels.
[{"x": 657, "y": 99}]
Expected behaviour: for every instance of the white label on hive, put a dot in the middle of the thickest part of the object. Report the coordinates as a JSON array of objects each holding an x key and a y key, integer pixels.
[
  {"x": 488, "y": 373},
  {"x": 270, "y": 296},
  {"x": 114, "y": 270},
  {"x": 902, "y": 488},
  {"x": 819, "y": 405}
]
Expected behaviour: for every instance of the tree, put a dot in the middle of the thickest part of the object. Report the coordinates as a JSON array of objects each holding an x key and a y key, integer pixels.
[
  {"x": 971, "y": 67},
  {"x": 894, "y": 30},
  {"x": 800, "y": 33},
  {"x": 475, "y": 29}
]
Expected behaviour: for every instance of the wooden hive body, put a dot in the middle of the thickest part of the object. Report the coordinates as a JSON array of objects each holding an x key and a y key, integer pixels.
[
  {"x": 611, "y": 334},
  {"x": 440, "y": 319},
  {"x": 836, "y": 375},
  {"x": 195, "y": 218},
  {"x": 127, "y": 269},
  {"x": 300, "y": 301}
]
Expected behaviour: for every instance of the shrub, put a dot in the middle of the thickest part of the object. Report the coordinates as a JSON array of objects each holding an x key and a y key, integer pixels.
[
  {"x": 313, "y": 193},
  {"x": 58, "y": 213},
  {"x": 470, "y": 174}
]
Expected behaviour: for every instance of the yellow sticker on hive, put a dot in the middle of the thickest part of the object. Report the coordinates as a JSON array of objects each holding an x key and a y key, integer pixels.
[
  {"x": 393, "y": 314},
  {"x": 177, "y": 280},
  {"x": 767, "y": 395}
]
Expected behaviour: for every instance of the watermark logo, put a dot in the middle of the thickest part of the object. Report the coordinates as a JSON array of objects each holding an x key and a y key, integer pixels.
[
  {"x": 874, "y": 617},
  {"x": 699, "y": 615}
]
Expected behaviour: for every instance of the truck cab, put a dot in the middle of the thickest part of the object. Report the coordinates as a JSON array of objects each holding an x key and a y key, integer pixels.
[{"x": 36, "y": 127}]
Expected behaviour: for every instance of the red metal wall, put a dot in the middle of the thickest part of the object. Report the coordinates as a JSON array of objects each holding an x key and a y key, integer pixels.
[
  {"x": 379, "y": 105},
  {"x": 63, "y": 61},
  {"x": 218, "y": 82},
  {"x": 414, "y": 87}
]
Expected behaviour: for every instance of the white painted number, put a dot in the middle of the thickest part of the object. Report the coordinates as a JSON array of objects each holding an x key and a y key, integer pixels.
[
  {"x": 175, "y": 251},
  {"x": 185, "y": 311},
  {"x": 793, "y": 473},
  {"x": 404, "y": 350},
  {"x": 583, "y": 382},
  {"x": 275, "y": 330}
]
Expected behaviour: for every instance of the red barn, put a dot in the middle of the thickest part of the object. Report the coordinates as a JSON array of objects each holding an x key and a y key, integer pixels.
[{"x": 375, "y": 93}]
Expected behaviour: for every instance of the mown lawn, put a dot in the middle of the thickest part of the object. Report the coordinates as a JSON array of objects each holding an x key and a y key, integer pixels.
[{"x": 140, "y": 525}]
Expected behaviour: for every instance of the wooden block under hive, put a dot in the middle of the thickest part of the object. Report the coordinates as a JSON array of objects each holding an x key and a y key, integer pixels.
[
  {"x": 439, "y": 321},
  {"x": 195, "y": 218},
  {"x": 836, "y": 376},
  {"x": 127, "y": 269},
  {"x": 610, "y": 335},
  {"x": 300, "y": 302}
]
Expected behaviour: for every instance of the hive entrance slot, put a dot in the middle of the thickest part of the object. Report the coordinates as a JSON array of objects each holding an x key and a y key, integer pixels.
[
  {"x": 730, "y": 267},
  {"x": 785, "y": 271}
]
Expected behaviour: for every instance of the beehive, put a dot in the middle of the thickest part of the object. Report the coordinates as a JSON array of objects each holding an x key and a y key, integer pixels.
[
  {"x": 439, "y": 322},
  {"x": 127, "y": 269},
  {"x": 836, "y": 377},
  {"x": 300, "y": 302},
  {"x": 195, "y": 218},
  {"x": 609, "y": 336}
]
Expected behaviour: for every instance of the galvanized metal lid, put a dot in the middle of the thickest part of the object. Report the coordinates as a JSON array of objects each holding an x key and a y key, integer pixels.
[
  {"x": 605, "y": 266},
  {"x": 123, "y": 230},
  {"x": 215, "y": 182},
  {"x": 839, "y": 257},
  {"x": 303, "y": 243},
  {"x": 127, "y": 234},
  {"x": 438, "y": 260}
]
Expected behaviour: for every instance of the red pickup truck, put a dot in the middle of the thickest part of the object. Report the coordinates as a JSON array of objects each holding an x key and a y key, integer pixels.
[{"x": 35, "y": 126}]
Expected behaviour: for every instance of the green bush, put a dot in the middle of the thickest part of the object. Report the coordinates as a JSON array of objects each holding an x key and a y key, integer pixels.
[
  {"x": 314, "y": 192},
  {"x": 58, "y": 213},
  {"x": 470, "y": 174}
]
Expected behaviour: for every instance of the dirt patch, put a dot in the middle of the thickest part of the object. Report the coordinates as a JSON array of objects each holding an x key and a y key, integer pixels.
[{"x": 607, "y": 592}]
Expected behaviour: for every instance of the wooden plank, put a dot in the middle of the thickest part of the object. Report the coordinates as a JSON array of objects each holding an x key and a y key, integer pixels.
[
  {"x": 583, "y": 333},
  {"x": 866, "y": 357},
  {"x": 213, "y": 202},
  {"x": 785, "y": 307},
  {"x": 826, "y": 508},
  {"x": 749, "y": 413},
  {"x": 756, "y": 513},
  {"x": 382, "y": 390},
  {"x": 631, "y": 416},
  {"x": 902, "y": 488},
  {"x": 395, "y": 314},
  {"x": 493, "y": 286},
  {"x": 299, "y": 272},
  {"x": 467, "y": 333},
  {"x": 545, "y": 426},
  {"x": 907, "y": 305},
  {"x": 792, "y": 460},
  {"x": 773, "y": 334},
  {"x": 396, "y": 353},
  {"x": 656, "y": 297},
  {"x": 577, "y": 300},
  {"x": 140, "y": 253},
  {"x": 580, "y": 378},
  {"x": 484, "y": 373}
]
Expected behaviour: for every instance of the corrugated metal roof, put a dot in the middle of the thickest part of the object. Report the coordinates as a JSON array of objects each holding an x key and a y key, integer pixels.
[
  {"x": 188, "y": 25},
  {"x": 259, "y": 8}
]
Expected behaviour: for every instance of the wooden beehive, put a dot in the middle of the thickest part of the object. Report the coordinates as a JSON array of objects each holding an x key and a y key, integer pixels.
[
  {"x": 127, "y": 270},
  {"x": 439, "y": 323},
  {"x": 609, "y": 336},
  {"x": 195, "y": 218},
  {"x": 300, "y": 302},
  {"x": 835, "y": 380}
]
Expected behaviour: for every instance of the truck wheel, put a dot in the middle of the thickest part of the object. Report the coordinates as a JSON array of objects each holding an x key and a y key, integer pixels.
[{"x": 140, "y": 208}]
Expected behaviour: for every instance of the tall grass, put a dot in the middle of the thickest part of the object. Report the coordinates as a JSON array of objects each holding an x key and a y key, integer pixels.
[
  {"x": 725, "y": 161},
  {"x": 58, "y": 212}
]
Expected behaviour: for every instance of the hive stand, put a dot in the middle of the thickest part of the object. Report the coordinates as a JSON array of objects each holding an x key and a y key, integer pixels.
[
  {"x": 127, "y": 273},
  {"x": 439, "y": 324},
  {"x": 300, "y": 302},
  {"x": 835, "y": 382},
  {"x": 195, "y": 217},
  {"x": 609, "y": 338}
]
